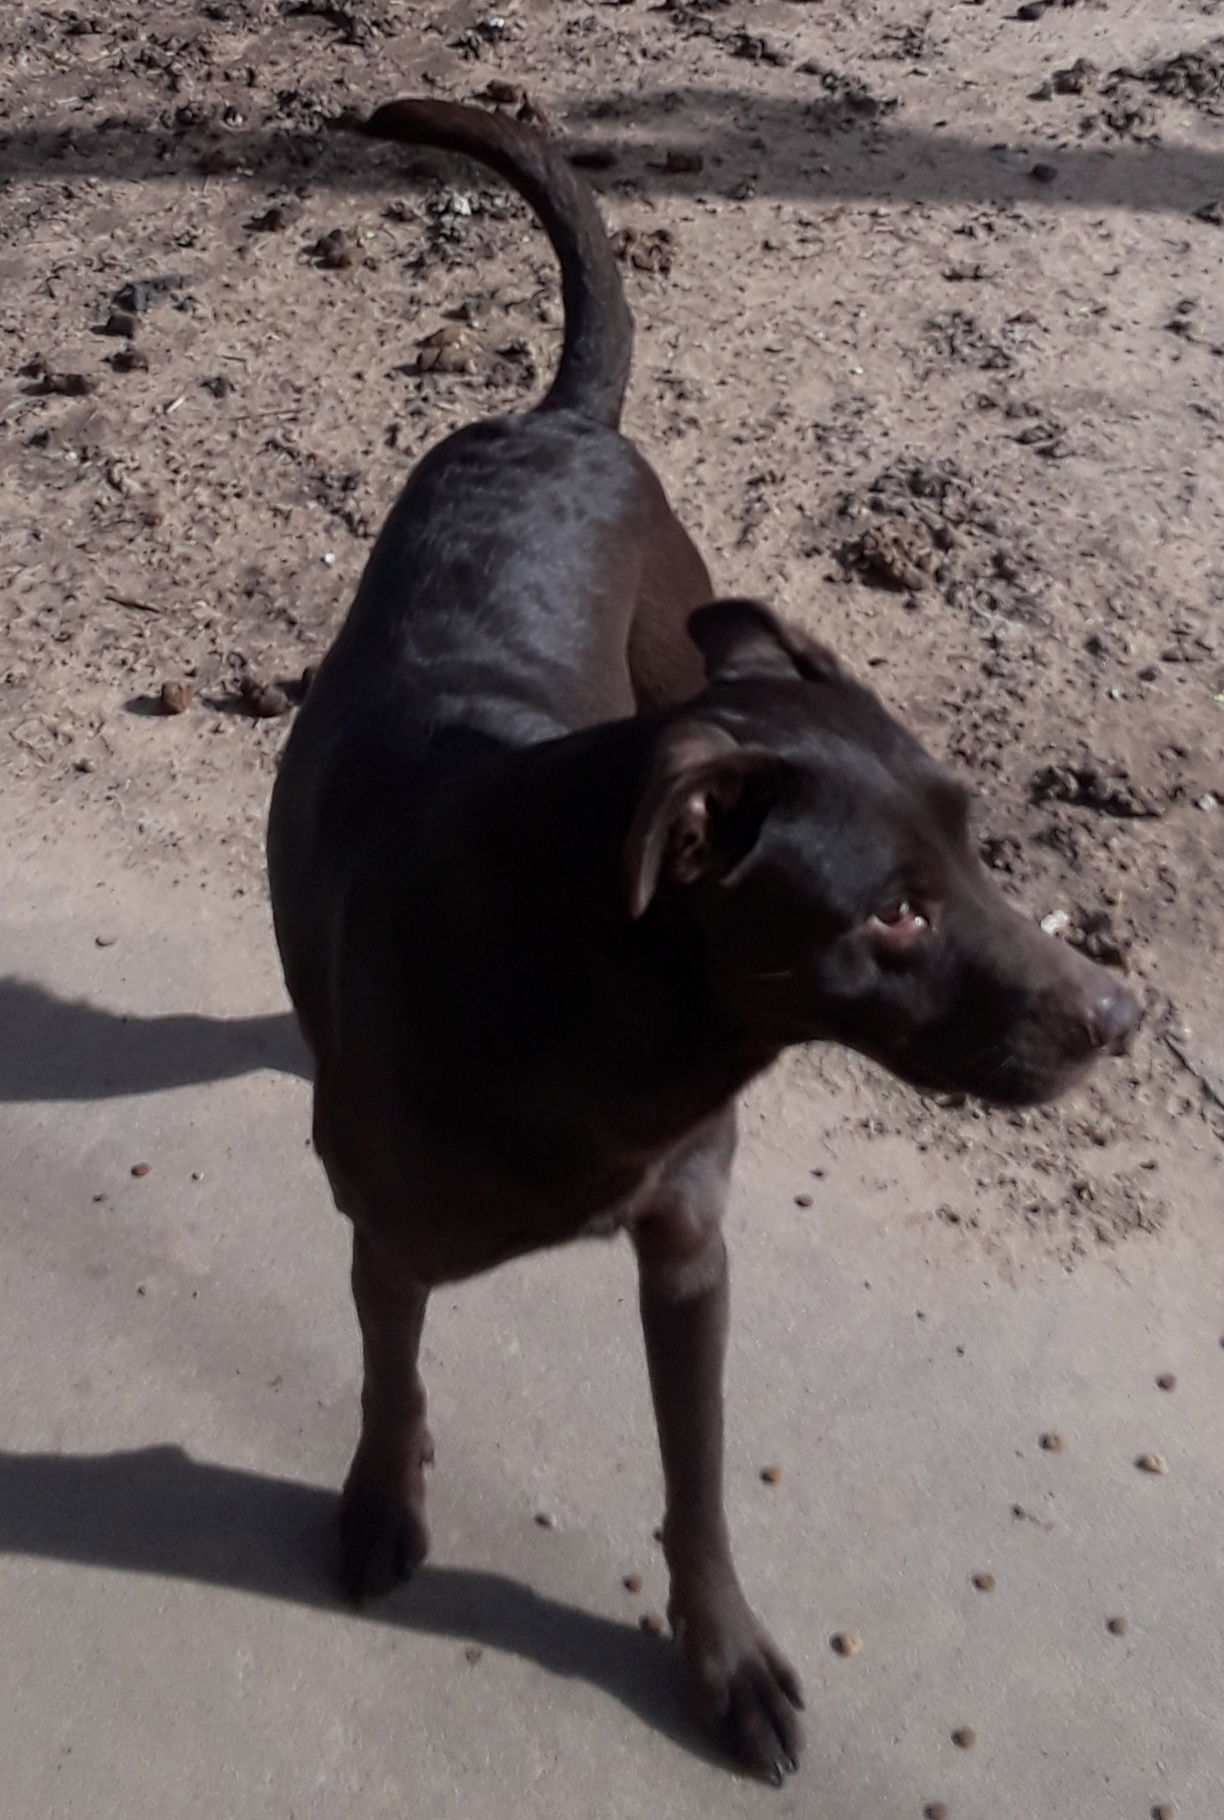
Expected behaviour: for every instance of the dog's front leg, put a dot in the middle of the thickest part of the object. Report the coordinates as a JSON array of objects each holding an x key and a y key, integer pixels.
[
  {"x": 742, "y": 1689},
  {"x": 383, "y": 1533}
]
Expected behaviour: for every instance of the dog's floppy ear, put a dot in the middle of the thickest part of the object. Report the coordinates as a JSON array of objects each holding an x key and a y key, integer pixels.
[
  {"x": 701, "y": 812},
  {"x": 742, "y": 639}
]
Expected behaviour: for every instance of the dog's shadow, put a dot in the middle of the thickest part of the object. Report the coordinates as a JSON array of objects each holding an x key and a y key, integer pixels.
[
  {"x": 157, "y": 1511},
  {"x": 62, "y": 1049}
]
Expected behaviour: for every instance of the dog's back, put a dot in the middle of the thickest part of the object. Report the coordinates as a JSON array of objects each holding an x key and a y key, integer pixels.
[{"x": 503, "y": 603}]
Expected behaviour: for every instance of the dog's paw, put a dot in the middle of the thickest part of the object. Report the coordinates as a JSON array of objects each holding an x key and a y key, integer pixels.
[
  {"x": 743, "y": 1691},
  {"x": 382, "y": 1540}
]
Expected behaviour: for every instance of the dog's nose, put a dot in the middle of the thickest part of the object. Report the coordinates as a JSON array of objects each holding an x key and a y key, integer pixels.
[{"x": 1113, "y": 1018}]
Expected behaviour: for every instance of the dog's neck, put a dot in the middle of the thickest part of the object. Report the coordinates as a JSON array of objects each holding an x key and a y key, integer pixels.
[{"x": 536, "y": 964}]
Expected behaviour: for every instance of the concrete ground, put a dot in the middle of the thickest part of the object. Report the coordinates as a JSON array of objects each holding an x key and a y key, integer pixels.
[{"x": 180, "y": 1362}]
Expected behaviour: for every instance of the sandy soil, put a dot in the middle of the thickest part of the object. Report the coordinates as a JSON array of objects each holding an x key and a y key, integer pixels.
[
  {"x": 930, "y": 355},
  {"x": 930, "y": 347}
]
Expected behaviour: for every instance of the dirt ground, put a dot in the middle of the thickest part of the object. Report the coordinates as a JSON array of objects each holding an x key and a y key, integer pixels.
[
  {"x": 931, "y": 332},
  {"x": 930, "y": 309}
]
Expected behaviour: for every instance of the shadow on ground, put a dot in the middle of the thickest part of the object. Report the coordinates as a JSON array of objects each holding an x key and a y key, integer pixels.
[
  {"x": 62, "y": 1049},
  {"x": 157, "y": 1511},
  {"x": 784, "y": 146}
]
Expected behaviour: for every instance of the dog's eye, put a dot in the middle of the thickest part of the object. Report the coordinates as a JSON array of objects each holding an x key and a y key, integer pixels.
[
  {"x": 895, "y": 912},
  {"x": 898, "y": 923}
]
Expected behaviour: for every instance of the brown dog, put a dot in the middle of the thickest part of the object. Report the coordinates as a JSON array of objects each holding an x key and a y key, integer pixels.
[{"x": 563, "y": 853}]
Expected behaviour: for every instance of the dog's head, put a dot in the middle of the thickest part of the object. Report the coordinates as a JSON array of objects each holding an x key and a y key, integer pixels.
[{"x": 824, "y": 862}]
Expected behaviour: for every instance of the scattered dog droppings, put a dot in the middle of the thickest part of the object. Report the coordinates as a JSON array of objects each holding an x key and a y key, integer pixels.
[
  {"x": 1151, "y": 1462},
  {"x": 964, "y": 1737},
  {"x": 1053, "y": 1443},
  {"x": 653, "y": 1622},
  {"x": 139, "y": 1169},
  {"x": 1118, "y": 1627},
  {"x": 984, "y": 1582},
  {"x": 1166, "y": 1381},
  {"x": 771, "y": 1475},
  {"x": 632, "y": 1583},
  {"x": 846, "y": 1643}
]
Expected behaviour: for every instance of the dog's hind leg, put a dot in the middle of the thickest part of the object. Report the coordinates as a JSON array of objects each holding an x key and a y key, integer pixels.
[{"x": 383, "y": 1533}]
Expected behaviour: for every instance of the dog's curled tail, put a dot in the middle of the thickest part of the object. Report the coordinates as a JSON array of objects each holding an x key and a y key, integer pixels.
[{"x": 594, "y": 368}]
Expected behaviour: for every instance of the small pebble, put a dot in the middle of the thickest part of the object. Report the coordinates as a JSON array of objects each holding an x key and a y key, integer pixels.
[
  {"x": 594, "y": 157},
  {"x": 264, "y": 701},
  {"x": 1118, "y": 1627},
  {"x": 130, "y": 360},
  {"x": 803, "y": 1200},
  {"x": 473, "y": 1653},
  {"x": 964, "y": 1737},
  {"x": 445, "y": 337},
  {"x": 984, "y": 1582},
  {"x": 771, "y": 1475},
  {"x": 1166, "y": 1381},
  {"x": 139, "y": 1169},
  {"x": 66, "y": 385},
  {"x": 175, "y": 697},
  {"x": 334, "y": 251},
  {"x": 1164, "y": 1810},
  {"x": 632, "y": 1583},
  {"x": 1053, "y": 1443},
  {"x": 935, "y": 1810},
  {"x": 653, "y": 1622},
  {"x": 445, "y": 357},
  {"x": 846, "y": 1643},
  {"x": 1044, "y": 173},
  {"x": 105, "y": 941},
  {"x": 544, "y": 1520},
  {"x": 1151, "y": 1462},
  {"x": 275, "y": 219},
  {"x": 678, "y": 162},
  {"x": 1033, "y": 9},
  {"x": 121, "y": 323}
]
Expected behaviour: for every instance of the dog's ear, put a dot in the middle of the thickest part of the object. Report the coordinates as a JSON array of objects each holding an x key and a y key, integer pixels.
[
  {"x": 701, "y": 812},
  {"x": 740, "y": 639}
]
